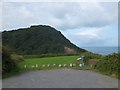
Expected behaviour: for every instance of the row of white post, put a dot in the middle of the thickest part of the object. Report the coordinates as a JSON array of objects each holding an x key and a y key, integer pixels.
[{"x": 48, "y": 65}]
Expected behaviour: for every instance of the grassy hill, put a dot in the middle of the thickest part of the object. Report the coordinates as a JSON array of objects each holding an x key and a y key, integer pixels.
[{"x": 39, "y": 39}]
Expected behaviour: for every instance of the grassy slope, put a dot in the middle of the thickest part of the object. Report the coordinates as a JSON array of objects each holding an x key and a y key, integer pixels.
[{"x": 51, "y": 60}]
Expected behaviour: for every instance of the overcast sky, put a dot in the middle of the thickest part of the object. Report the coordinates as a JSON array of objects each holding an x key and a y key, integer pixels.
[{"x": 86, "y": 24}]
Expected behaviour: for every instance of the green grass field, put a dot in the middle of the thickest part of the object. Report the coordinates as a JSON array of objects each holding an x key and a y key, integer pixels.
[{"x": 29, "y": 62}]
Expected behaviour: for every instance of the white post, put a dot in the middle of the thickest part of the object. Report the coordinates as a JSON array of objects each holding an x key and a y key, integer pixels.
[
  {"x": 64, "y": 65},
  {"x": 36, "y": 65},
  {"x": 60, "y": 65},
  {"x": 48, "y": 65},
  {"x": 33, "y": 66},
  {"x": 54, "y": 64},
  {"x": 71, "y": 65},
  {"x": 25, "y": 66},
  {"x": 80, "y": 65},
  {"x": 43, "y": 65}
]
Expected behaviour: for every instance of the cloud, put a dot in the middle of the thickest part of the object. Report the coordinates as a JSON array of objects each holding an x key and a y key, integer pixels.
[
  {"x": 15, "y": 16},
  {"x": 90, "y": 33},
  {"x": 61, "y": 1},
  {"x": 63, "y": 16},
  {"x": 81, "y": 15},
  {"x": 90, "y": 37}
]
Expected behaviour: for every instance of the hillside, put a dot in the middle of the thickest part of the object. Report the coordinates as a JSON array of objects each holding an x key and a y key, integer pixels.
[{"x": 39, "y": 39}]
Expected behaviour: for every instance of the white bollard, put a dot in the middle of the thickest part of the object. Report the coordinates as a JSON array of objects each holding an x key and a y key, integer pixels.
[
  {"x": 64, "y": 65},
  {"x": 33, "y": 66},
  {"x": 60, "y": 65},
  {"x": 80, "y": 65},
  {"x": 71, "y": 65},
  {"x": 25, "y": 66},
  {"x": 36, "y": 65},
  {"x": 54, "y": 64},
  {"x": 43, "y": 65},
  {"x": 48, "y": 65}
]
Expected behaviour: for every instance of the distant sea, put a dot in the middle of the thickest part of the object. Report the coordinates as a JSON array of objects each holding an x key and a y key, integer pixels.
[{"x": 102, "y": 50}]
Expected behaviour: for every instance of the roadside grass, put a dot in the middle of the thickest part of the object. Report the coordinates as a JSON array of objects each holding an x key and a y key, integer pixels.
[
  {"x": 42, "y": 63},
  {"x": 113, "y": 75}
]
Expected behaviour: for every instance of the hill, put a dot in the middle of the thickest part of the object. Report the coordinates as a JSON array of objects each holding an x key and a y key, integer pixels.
[{"x": 40, "y": 39}]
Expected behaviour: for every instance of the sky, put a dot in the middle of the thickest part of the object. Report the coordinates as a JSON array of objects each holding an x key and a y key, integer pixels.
[{"x": 86, "y": 24}]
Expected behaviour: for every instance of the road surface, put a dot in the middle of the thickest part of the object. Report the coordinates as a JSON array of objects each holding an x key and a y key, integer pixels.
[{"x": 62, "y": 78}]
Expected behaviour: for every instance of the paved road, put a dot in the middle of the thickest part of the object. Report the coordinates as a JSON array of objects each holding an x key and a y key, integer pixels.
[{"x": 63, "y": 78}]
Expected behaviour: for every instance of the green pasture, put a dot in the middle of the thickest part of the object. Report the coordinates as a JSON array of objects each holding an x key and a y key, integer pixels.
[{"x": 31, "y": 62}]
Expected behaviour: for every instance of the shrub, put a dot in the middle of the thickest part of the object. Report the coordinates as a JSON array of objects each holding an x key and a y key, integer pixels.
[
  {"x": 17, "y": 58},
  {"x": 89, "y": 55},
  {"x": 8, "y": 64},
  {"x": 108, "y": 65}
]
